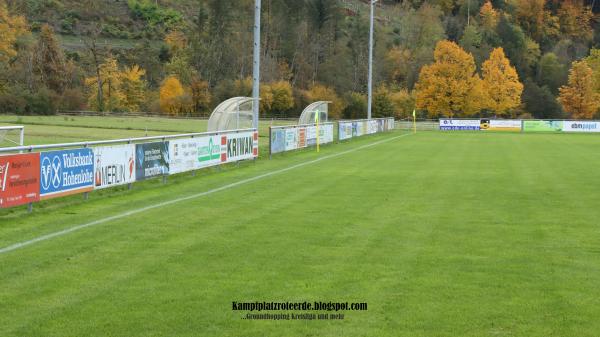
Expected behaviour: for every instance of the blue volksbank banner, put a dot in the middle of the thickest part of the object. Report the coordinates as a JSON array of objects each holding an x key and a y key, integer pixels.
[{"x": 66, "y": 172}]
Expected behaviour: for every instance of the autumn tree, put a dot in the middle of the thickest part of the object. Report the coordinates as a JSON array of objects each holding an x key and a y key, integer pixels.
[
  {"x": 382, "y": 103},
  {"x": 200, "y": 93},
  {"x": 319, "y": 92},
  {"x": 578, "y": 97},
  {"x": 133, "y": 87},
  {"x": 110, "y": 80},
  {"x": 11, "y": 28},
  {"x": 173, "y": 98},
  {"x": 449, "y": 86},
  {"x": 576, "y": 20},
  {"x": 49, "y": 60},
  {"x": 276, "y": 97},
  {"x": 488, "y": 16},
  {"x": 501, "y": 83},
  {"x": 404, "y": 103},
  {"x": 593, "y": 61}
]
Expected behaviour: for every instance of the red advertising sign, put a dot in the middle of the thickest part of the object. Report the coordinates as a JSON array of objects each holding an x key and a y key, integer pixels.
[{"x": 19, "y": 179}]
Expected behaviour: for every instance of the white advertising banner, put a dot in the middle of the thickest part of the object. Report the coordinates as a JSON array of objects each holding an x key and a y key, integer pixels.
[
  {"x": 194, "y": 153},
  {"x": 581, "y": 126},
  {"x": 239, "y": 146},
  {"x": 500, "y": 125},
  {"x": 291, "y": 139},
  {"x": 114, "y": 165},
  {"x": 460, "y": 124},
  {"x": 349, "y": 129},
  {"x": 326, "y": 133},
  {"x": 505, "y": 125},
  {"x": 372, "y": 126}
]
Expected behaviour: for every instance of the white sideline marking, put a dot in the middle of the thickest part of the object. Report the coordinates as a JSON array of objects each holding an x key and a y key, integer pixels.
[{"x": 193, "y": 196}]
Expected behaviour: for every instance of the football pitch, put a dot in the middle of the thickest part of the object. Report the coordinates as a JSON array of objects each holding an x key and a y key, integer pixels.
[{"x": 441, "y": 234}]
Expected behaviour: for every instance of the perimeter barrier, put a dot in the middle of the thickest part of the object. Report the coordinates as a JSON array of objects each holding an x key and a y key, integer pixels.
[
  {"x": 293, "y": 137},
  {"x": 356, "y": 128},
  {"x": 520, "y": 125},
  {"x": 57, "y": 170}
]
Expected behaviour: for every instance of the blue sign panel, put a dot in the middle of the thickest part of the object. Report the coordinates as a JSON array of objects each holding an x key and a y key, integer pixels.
[
  {"x": 277, "y": 140},
  {"x": 66, "y": 172}
]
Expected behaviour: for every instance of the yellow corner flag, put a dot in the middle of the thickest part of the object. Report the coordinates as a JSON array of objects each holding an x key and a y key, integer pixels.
[
  {"x": 414, "y": 120},
  {"x": 317, "y": 113}
]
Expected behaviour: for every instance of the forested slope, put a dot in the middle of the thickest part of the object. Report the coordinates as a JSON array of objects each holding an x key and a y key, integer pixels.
[{"x": 185, "y": 56}]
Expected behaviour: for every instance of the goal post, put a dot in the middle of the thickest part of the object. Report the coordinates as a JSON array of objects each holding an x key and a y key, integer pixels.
[{"x": 13, "y": 135}]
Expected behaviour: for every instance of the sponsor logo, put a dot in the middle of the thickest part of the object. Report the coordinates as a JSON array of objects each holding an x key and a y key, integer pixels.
[
  {"x": 209, "y": 152},
  {"x": 114, "y": 174},
  {"x": 51, "y": 172},
  {"x": 4, "y": 175},
  {"x": 239, "y": 146},
  {"x": 584, "y": 126},
  {"x": 69, "y": 170}
]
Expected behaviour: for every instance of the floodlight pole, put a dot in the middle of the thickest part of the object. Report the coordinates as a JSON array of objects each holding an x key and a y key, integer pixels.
[
  {"x": 370, "y": 88},
  {"x": 256, "y": 69}
]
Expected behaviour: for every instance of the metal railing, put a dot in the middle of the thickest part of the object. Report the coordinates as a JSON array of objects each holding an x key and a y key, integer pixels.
[{"x": 31, "y": 148}]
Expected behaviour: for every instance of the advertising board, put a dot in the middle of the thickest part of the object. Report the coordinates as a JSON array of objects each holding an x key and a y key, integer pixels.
[
  {"x": 19, "y": 179},
  {"x": 239, "y": 146},
  {"x": 194, "y": 153},
  {"x": 460, "y": 124},
  {"x": 291, "y": 139},
  {"x": 581, "y": 126},
  {"x": 114, "y": 165},
  {"x": 151, "y": 160},
  {"x": 277, "y": 140},
  {"x": 500, "y": 125},
  {"x": 542, "y": 126},
  {"x": 301, "y": 138},
  {"x": 345, "y": 130},
  {"x": 66, "y": 172}
]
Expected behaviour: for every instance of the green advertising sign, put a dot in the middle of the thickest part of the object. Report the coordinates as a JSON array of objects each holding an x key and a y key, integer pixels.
[
  {"x": 211, "y": 151},
  {"x": 542, "y": 126}
]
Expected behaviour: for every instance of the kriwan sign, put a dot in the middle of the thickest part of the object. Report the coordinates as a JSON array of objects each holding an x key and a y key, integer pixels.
[
  {"x": 239, "y": 146},
  {"x": 66, "y": 172}
]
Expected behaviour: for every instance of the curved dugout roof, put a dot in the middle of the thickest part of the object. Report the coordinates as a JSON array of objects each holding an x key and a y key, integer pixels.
[
  {"x": 233, "y": 114},
  {"x": 308, "y": 115}
]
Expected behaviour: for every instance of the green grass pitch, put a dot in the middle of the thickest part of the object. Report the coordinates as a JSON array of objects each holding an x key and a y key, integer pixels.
[{"x": 442, "y": 234}]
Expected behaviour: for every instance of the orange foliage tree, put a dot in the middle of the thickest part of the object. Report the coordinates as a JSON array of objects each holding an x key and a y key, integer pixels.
[
  {"x": 173, "y": 98},
  {"x": 501, "y": 83},
  {"x": 450, "y": 86},
  {"x": 578, "y": 97}
]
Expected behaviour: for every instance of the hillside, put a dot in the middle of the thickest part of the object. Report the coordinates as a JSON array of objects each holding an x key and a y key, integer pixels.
[{"x": 313, "y": 49}]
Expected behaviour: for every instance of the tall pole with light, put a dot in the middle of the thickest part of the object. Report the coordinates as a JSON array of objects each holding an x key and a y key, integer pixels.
[
  {"x": 370, "y": 86},
  {"x": 256, "y": 67}
]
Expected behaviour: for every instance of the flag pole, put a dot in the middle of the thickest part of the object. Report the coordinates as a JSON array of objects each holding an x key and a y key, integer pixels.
[{"x": 414, "y": 121}]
